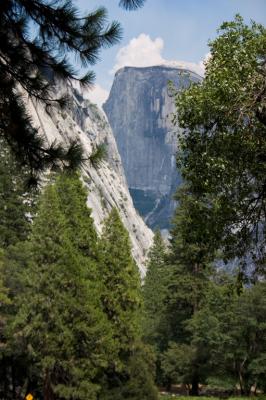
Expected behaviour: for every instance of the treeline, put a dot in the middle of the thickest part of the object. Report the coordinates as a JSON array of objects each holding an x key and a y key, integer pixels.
[
  {"x": 205, "y": 324},
  {"x": 72, "y": 323},
  {"x": 70, "y": 301}
]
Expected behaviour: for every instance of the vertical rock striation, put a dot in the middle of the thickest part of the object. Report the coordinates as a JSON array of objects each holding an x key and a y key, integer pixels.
[{"x": 139, "y": 109}]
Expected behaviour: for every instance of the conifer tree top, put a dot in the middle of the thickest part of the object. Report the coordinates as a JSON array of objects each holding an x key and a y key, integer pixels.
[{"x": 36, "y": 39}]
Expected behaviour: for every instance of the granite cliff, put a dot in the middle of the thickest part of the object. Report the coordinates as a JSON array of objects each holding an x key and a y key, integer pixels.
[
  {"x": 106, "y": 184},
  {"x": 139, "y": 109}
]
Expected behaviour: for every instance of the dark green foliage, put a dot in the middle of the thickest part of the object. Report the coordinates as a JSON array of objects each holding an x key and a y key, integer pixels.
[
  {"x": 176, "y": 363},
  {"x": 69, "y": 308},
  {"x": 31, "y": 62},
  {"x": 137, "y": 380},
  {"x": 230, "y": 330},
  {"x": 154, "y": 292},
  {"x": 176, "y": 287},
  {"x": 36, "y": 38},
  {"x": 131, "y": 4},
  {"x": 121, "y": 301},
  {"x": 212, "y": 325},
  {"x": 121, "y": 297},
  {"x": 140, "y": 370},
  {"x": 186, "y": 291},
  {"x": 220, "y": 213},
  {"x": 246, "y": 346},
  {"x": 72, "y": 202},
  {"x": 59, "y": 325},
  {"x": 194, "y": 231},
  {"x": 17, "y": 209},
  {"x": 98, "y": 155},
  {"x": 4, "y": 301},
  {"x": 16, "y": 203}
]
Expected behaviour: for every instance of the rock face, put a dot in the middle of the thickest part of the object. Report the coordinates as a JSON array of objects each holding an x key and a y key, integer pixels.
[
  {"x": 106, "y": 185},
  {"x": 140, "y": 111}
]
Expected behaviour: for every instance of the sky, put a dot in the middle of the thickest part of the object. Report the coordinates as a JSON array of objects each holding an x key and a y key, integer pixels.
[{"x": 165, "y": 31}]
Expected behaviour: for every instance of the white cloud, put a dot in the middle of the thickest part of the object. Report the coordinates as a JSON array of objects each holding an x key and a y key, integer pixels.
[
  {"x": 140, "y": 52},
  {"x": 97, "y": 95},
  {"x": 145, "y": 52}
]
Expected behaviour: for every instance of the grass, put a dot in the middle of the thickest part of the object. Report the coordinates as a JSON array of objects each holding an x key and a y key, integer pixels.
[
  {"x": 173, "y": 396},
  {"x": 176, "y": 396}
]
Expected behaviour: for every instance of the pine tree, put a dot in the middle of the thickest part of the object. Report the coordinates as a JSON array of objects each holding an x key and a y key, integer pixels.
[
  {"x": 4, "y": 300},
  {"x": 17, "y": 208},
  {"x": 189, "y": 260},
  {"x": 121, "y": 297},
  {"x": 131, "y": 4},
  {"x": 59, "y": 324},
  {"x": 31, "y": 62},
  {"x": 4, "y": 303},
  {"x": 16, "y": 202},
  {"x": 121, "y": 301},
  {"x": 73, "y": 204},
  {"x": 140, "y": 376},
  {"x": 154, "y": 291}
]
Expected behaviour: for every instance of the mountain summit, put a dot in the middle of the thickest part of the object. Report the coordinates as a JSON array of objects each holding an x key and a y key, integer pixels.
[{"x": 140, "y": 110}]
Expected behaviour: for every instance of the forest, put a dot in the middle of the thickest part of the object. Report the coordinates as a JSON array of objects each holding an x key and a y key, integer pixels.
[{"x": 76, "y": 320}]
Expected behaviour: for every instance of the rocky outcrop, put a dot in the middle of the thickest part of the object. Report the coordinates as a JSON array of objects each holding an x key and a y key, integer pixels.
[
  {"x": 140, "y": 110},
  {"x": 106, "y": 185}
]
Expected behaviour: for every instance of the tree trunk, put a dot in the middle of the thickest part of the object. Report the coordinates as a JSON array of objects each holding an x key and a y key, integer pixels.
[
  {"x": 194, "y": 391},
  {"x": 13, "y": 381},
  {"x": 168, "y": 385},
  {"x": 48, "y": 391}
]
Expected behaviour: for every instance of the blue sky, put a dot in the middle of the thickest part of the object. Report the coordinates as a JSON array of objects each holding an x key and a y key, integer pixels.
[{"x": 175, "y": 30}]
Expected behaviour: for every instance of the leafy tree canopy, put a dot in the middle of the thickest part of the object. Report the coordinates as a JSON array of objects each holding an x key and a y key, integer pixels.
[{"x": 222, "y": 148}]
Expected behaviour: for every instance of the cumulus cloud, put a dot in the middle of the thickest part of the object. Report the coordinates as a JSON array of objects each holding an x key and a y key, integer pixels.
[
  {"x": 145, "y": 52},
  {"x": 140, "y": 52}
]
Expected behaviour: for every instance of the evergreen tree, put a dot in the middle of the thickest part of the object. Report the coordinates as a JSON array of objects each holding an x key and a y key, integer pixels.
[
  {"x": 4, "y": 303},
  {"x": 230, "y": 333},
  {"x": 221, "y": 205},
  {"x": 17, "y": 208},
  {"x": 4, "y": 300},
  {"x": 220, "y": 208},
  {"x": 15, "y": 367},
  {"x": 131, "y": 4},
  {"x": 121, "y": 303},
  {"x": 209, "y": 335},
  {"x": 73, "y": 204},
  {"x": 140, "y": 376},
  {"x": 189, "y": 270},
  {"x": 16, "y": 203},
  {"x": 121, "y": 297},
  {"x": 29, "y": 60},
  {"x": 59, "y": 324},
  {"x": 154, "y": 292}
]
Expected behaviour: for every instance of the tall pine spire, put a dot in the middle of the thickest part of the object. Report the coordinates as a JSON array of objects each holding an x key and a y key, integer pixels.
[{"x": 59, "y": 323}]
